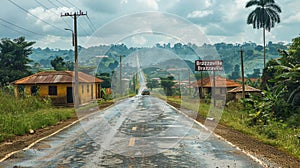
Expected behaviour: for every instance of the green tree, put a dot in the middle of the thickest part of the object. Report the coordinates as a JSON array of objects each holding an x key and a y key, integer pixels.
[
  {"x": 264, "y": 16},
  {"x": 59, "y": 64},
  {"x": 152, "y": 84},
  {"x": 235, "y": 73},
  {"x": 167, "y": 84},
  {"x": 106, "y": 80},
  {"x": 14, "y": 61}
]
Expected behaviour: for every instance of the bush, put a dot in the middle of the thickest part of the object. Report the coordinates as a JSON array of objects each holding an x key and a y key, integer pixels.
[{"x": 18, "y": 116}]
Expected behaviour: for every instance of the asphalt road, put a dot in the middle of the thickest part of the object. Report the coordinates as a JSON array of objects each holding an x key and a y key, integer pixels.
[{"x": 141, "y": 131}]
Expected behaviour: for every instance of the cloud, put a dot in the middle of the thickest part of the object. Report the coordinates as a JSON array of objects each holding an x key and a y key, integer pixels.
[
  {"x": 104, "y": 6},
  {"x": 200, "y": 14},
  {"x": 50, "y": 16},
  {"x": 151, "y": 4},
  {"x": 139, "y": 40}
]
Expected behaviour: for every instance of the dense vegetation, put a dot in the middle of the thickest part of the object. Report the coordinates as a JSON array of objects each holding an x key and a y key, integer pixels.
[
  {"x": 229, "y": 53},
  {"x": 14, "y": 59},
  {"x": 26, "y": 114}
]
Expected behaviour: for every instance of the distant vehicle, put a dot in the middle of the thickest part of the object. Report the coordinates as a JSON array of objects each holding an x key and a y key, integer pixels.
[{"x": 145, "y": 92}]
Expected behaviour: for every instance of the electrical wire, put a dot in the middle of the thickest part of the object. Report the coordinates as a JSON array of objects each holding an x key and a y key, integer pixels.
[
  {"x": 34, "y": 15},
  {"x": 66, "y": 11},
  {"x": 89, "y": 22},
  {"x": 9, "y": 28},
  {"x": 20, "y": 27},
  {"x": 68, "y": 25}
]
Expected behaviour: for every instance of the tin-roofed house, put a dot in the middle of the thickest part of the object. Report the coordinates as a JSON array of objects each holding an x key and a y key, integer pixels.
[
  {"x": 236, "y": 93},
  {"x": 58, "y": 85},
  {"x": 221, "y": 85}
]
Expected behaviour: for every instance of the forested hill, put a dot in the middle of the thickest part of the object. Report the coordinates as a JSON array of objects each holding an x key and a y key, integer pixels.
[{"x": 229, "y": 53}]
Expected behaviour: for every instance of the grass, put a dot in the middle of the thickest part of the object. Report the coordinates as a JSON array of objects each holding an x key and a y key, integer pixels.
[
  {"x": 19, "y": 116},
  {"x": 276, "y": 134}
]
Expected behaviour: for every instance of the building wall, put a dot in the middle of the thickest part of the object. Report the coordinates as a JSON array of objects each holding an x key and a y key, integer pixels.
[{"x": 87, "y": 92}]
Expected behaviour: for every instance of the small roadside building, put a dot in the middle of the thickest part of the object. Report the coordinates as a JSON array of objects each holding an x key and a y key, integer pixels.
[
  {"x": 58, "y": 85},
  {"x": 222, "y": 85},
  {"x": 236, "y": 93}
]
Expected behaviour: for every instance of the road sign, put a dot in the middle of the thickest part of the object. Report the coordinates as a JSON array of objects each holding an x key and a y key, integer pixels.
[{"x": 209, "y": 65}]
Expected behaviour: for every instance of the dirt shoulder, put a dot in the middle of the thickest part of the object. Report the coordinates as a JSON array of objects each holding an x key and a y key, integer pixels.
[
  {"x": 270, "y": 155},
  {"x": 266, "y": 153}
]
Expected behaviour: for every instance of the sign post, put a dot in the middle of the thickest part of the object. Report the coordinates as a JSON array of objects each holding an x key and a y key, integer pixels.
[{"x": 209, "y": 65}]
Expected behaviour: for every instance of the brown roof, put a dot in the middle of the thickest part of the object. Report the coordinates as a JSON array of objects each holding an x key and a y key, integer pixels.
[
  {"x": 247, "y": 89},
  {"x": 251, "y": 79},
  {"x": 220, "y": 82},
  {"x": 57, "y": 77}
]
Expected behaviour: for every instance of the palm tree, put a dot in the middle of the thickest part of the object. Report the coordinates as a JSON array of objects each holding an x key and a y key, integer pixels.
[{"x": 264, "y": 16}]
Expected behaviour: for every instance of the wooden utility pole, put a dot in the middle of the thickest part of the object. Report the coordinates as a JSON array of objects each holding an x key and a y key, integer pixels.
[
  {"x": 121, "y": 75},
  {"x": 243, "y": 78},
  {"x": 76, "y": 92}
]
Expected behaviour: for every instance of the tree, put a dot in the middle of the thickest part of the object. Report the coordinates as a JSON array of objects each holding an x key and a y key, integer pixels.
[
  {"x": 167, "y": 83},
  {"x": 264, "y": 16},
  {"x": 14, "y": 59},
  {"x": 58, "y": 64},
  {"x": 235, "y": 73},
  {"x": 106, "y": 80},
  {"x": 152, "y": 84}
]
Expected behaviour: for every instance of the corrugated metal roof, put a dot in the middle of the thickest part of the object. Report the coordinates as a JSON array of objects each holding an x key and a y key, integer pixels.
[
  {"x": 47, "y": 77},
  {"x": 220, "y": 82},
  {"x": 247, "y": 89}
]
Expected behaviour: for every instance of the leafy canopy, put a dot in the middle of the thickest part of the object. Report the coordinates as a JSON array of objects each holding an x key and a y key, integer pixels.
[
  {"x": 265, "y": 14},
  {"x": 14, "y": 61}
]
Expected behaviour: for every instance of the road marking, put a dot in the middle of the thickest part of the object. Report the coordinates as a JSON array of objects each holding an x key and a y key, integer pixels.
[
  {"x": 133, "y": 128},
  {"x": 131, "y": 142}
]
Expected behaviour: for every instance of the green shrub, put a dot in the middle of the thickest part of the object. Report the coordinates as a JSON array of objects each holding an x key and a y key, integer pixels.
[{"x": 18, "y": 116}]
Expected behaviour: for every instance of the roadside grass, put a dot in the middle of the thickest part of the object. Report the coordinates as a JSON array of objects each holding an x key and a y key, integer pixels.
[
  {"x": 20, "y": 116},
  {"x": 276, "y": 134}
]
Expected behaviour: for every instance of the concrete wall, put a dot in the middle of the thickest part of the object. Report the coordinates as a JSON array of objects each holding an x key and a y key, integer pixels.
[{"x": 87, "y": 92}]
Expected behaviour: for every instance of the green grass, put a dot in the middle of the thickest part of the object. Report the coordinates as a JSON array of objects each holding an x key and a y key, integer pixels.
[
  {"x": 19, "y": 116},
  {"x": 276, "y": 134}
]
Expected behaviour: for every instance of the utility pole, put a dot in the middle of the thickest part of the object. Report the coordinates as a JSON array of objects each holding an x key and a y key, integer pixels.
[
  {"x": 243, "y": 79},
  {"x": 75, "y": 15},
  {"x": 121, "y": 75}
]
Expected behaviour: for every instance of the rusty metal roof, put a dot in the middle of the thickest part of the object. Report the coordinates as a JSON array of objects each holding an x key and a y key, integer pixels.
[
  {"x": 220, "y": 82},
  {"x": 48, "y": 77},
  {"x": 247, "y": 89}
]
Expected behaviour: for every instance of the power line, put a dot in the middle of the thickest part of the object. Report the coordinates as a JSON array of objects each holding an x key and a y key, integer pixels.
[
  {"x": 52, "y": 12},
  {"x": 89, "y": 22},
  {"x": 20, "y": 27},
  {"x": 9, "y": 28},
  {"x": 72, "y": 5},
  {"x": 66, "y": 11},
  {"x": 34, "y": 15}
]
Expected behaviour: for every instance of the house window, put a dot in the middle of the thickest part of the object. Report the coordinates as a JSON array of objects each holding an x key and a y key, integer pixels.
[
  {"x": 34, "y": 90},
  {"x": 52, "y": 90},
  {"x": 82, "y": 88},
  {"x": 88, "y": 88}
]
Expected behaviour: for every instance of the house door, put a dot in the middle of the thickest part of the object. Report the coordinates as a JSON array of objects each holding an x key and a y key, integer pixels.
[{"x": 69, "y": 95}]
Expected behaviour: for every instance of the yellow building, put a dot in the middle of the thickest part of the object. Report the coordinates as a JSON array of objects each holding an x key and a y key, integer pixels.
[{"x": 59, "y": 86}]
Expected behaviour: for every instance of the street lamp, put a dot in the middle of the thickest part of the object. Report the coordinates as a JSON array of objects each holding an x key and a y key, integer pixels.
[{"x": 73, "y": 44}]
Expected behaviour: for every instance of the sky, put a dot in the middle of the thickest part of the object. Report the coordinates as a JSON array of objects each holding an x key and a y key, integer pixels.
[{"x": 141, "y": 23}]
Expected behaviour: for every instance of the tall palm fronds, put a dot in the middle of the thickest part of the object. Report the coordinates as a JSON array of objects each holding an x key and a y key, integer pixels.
[{"x": 264, "y": 16}]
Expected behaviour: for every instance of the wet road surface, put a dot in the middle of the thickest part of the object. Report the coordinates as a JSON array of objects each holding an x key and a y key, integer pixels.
[{"x": 138, "y": 132}]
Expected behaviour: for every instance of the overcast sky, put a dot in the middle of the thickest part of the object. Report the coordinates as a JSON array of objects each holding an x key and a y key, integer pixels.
[{"x": 141, "y": 22}]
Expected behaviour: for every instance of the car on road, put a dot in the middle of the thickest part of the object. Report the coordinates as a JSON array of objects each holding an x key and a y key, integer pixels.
[{"x": 145, "y": 92}]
